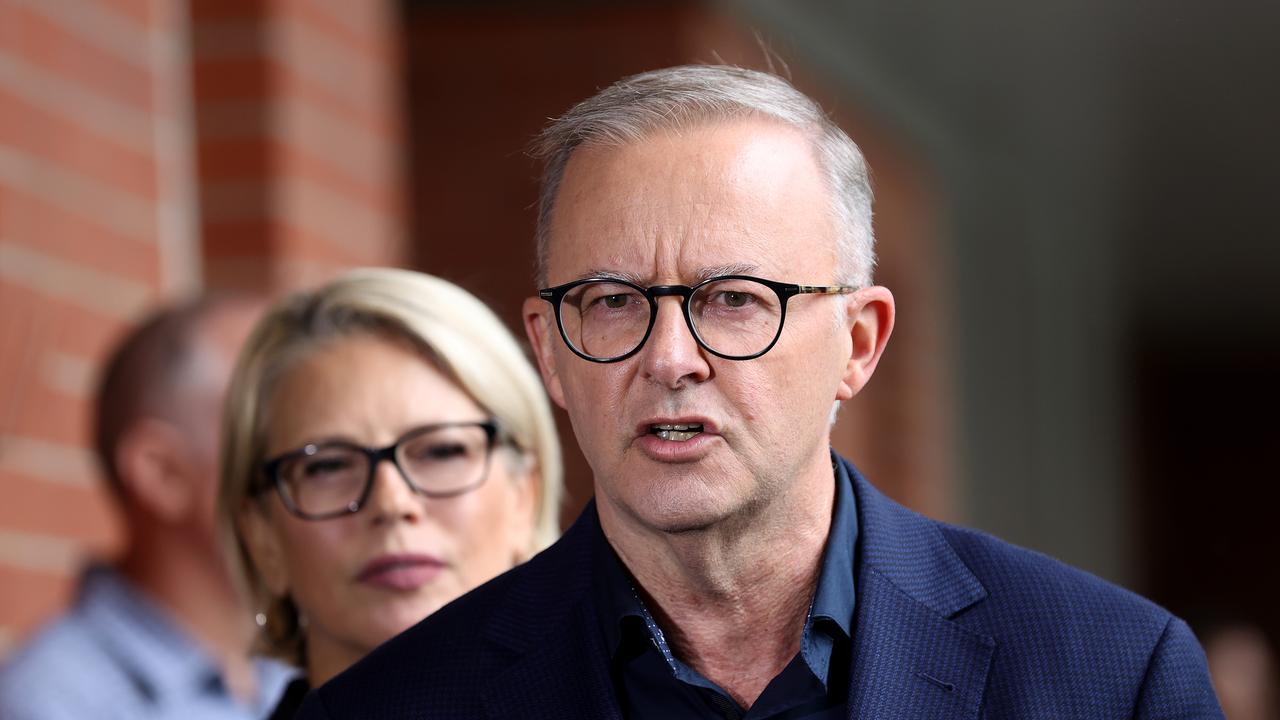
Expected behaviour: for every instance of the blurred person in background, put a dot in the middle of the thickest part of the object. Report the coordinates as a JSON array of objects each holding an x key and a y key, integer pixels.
[
  {"x": 1244, "y": 671},
  {"x": 163, "y": 633},
  {"x": 388, "y": 448}
]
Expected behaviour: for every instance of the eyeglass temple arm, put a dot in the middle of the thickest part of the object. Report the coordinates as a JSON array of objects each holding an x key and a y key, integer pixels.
[{"x": 825, "y": 289}]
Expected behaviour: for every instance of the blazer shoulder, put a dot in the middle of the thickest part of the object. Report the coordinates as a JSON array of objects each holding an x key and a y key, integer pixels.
[
  {"x": 440, "y": 664},
  {"x": 442, "y": 656},
  {"x": 1109, "y": 651},
  {"x": 1016, "y": 577}
]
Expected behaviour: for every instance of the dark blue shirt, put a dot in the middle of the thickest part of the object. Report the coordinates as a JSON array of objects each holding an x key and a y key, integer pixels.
[{"x": 652, "y": 683}]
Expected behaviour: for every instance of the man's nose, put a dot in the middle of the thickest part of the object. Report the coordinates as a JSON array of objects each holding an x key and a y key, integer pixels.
[
  {"x": 671, "y": 356},
  {"x": 391, "y": 499}
]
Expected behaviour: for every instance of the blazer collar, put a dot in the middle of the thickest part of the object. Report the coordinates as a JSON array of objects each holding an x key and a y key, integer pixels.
[{"x": 911, "y": 658}]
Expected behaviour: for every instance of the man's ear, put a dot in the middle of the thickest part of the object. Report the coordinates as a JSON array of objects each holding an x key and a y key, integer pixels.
[
  {"x": 540, "y": 326},
  {"x": 264, "y": 547},
  {"x": 870, "y": 322},
  {"x": 157, "y": 470}
]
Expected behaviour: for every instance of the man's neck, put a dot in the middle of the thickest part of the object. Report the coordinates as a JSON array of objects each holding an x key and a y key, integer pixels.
[
  {"x": 199, "y": 597},
  {"x": 732, "y": 601}
]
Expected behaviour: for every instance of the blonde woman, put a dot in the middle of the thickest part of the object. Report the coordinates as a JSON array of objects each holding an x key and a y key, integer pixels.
[{"x": 387, "y": 448}]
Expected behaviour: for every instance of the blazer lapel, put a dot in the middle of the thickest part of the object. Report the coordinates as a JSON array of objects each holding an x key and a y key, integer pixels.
[
  {"x": 911, "y": 659},
  {"x": 909, "y": 662}
]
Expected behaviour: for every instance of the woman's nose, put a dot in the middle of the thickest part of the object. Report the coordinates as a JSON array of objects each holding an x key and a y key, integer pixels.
[{"x": 391, "y": 497}]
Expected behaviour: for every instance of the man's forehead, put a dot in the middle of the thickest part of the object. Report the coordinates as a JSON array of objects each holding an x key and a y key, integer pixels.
[
  {"x": 741, "y": 197},
  {"x": 691, "y": 277},
  {"x": 745, "y": 141}
]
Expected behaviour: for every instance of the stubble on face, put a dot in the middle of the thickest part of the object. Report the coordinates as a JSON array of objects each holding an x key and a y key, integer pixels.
[{"x": 664, "y": 210}]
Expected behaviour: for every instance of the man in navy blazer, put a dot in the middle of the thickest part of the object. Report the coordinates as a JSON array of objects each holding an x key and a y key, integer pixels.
[{"x": 705, "y": 254}]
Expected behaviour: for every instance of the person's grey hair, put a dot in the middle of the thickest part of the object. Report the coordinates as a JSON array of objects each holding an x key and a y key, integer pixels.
[{"x": 678, "y": 97}]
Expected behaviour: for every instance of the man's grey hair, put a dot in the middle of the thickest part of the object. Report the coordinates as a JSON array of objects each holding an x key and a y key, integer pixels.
[{"x": 684, "y": 96}]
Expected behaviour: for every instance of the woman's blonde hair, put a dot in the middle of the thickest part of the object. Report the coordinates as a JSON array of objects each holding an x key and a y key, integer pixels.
[{"x": 457, "y": 333}]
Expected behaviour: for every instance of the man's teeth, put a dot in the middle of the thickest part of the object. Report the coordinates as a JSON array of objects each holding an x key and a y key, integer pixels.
[{"x": 678, "y": 433}]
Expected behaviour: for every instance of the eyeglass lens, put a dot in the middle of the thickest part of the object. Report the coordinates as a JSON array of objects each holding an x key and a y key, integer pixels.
[
  {"x": 734, "y": 317},
  {"x": 438, "y": 461}
]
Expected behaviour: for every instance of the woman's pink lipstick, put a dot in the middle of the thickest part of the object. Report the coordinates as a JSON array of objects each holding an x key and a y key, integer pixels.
[{"x": 400, "y": 571}]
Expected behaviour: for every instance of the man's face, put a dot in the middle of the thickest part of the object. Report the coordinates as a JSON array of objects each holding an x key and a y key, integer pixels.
[{"x": 742, "y": 197}]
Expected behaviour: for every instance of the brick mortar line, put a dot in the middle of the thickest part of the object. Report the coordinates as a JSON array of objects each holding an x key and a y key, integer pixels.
[
  {"x": 40, "y": 553},
  {"x": 84, "y": 287},
  {"x": 86, "y": 198},
  {"x": 52, "y": 462},
  {"x": 96, "y": 25},
  {"x": 130, "y": 127}
]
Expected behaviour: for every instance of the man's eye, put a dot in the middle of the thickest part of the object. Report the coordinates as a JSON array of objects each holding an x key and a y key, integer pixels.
[
  {"x": 734, "y": 298},
  {"x": 613, "y": 301}
]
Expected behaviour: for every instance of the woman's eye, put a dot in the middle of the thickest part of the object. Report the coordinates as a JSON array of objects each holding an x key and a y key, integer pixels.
[
  {"x": 444, "y": 452},
  {"x": 326, "y": 467},
  {"x": 438, "y": 452}
]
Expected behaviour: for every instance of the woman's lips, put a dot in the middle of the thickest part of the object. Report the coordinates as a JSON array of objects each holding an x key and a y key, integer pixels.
[{"x": 400, "y": 571}]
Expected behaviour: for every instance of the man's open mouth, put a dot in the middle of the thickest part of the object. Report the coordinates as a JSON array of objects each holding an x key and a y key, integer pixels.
[{"x": 677, "y": 433}]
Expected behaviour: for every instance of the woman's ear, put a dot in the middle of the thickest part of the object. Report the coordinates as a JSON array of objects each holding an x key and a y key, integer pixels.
[
  {"x": 264, "y": 547},
  {"x": 526, "y": 489}
]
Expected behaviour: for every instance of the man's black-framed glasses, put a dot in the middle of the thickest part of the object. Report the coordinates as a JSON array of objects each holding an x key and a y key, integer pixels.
[
  {"x": 329, "y": 479},
  {"x": 736, "y": 317}
]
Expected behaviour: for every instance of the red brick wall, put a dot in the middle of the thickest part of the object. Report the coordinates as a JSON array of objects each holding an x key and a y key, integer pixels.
[
  {"x": 82, "y": 253},
  {"x": 300, "y": 159},
  {"x": 113, "y": 197}
]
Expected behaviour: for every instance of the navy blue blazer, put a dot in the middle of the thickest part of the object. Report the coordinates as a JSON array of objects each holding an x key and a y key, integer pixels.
[{"x": 949, "y": 623}]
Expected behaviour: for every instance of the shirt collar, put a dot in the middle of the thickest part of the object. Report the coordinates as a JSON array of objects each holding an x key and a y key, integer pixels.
[
  {"x": 834, "y": 599},
  {"x": 625, "y": 621}
]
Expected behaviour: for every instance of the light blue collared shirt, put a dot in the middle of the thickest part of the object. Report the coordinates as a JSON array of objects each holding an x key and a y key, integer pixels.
[{"x": 116, "y": 654}]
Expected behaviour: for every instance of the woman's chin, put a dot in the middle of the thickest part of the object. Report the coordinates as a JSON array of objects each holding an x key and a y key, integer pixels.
[{"x": 391, "y": 619}]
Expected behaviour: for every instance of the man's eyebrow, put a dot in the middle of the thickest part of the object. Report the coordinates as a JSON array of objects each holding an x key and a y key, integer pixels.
[
  {"x": 730, "y": 269},
  {"x": 702, "y": 274},
  {"x": 602, "y": 274}
]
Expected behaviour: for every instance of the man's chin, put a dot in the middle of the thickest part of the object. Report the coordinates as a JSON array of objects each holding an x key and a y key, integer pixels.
[{"x": 682, "y": 511}]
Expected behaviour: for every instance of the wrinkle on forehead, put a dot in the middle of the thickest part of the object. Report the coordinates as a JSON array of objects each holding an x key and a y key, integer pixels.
[
  {"x": 674, "y": 206},
  {"x": 699, "y": 275}
]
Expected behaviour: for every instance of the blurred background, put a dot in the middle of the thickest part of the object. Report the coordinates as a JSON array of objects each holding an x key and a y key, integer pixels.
[{"x": 1076, "y": 209}]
